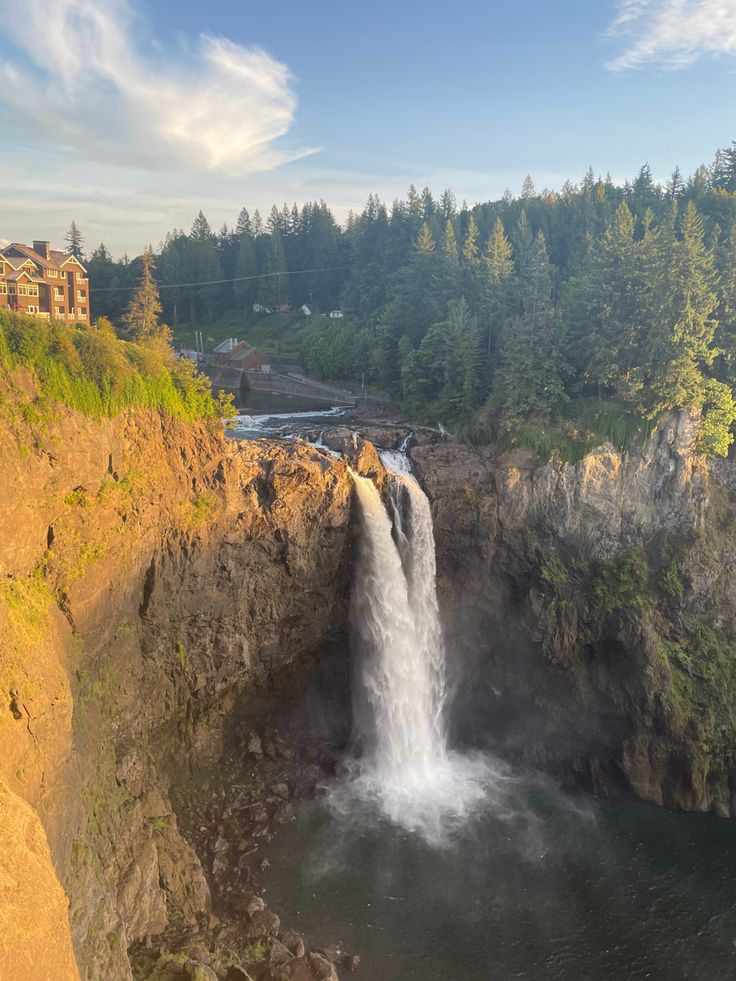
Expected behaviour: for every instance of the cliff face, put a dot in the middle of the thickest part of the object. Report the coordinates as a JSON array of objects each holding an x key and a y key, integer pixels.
[
  {"x": 150, "y": 573},
  {"x": 590, "y": 611}
]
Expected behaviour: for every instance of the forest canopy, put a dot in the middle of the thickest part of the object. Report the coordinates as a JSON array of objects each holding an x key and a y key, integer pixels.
[{"x": 604, "y": 302}]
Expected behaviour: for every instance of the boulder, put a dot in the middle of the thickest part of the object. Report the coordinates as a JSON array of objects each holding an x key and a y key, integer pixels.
[{"x": 263, "y": 923}]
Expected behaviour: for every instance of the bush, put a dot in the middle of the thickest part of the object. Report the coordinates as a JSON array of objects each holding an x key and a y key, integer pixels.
[{"x": 99, "y": 375}]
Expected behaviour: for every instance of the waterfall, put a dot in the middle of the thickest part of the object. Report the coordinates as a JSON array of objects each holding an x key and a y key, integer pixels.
[{"x": 399, "y": 675}]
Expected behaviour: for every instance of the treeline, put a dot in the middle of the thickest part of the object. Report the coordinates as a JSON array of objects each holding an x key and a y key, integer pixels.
[{"x": 533, "y": 311}]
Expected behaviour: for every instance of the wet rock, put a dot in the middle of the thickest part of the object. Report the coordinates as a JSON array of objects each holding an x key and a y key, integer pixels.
[
  {"x": 253, "y": 905},
  {"x": 351, "y": 962},
  {"x": 279, "y": 953},
  {"x": 284, "y": 813},
  {"x": 321, "y": 967},
  {"x": 254, "y": 745},
  {"x": 294, "y": 941},
  {"x": 330, "y": 953},
  {"x": 237, "y": 973},
  {"x": 263, "y": 923}
]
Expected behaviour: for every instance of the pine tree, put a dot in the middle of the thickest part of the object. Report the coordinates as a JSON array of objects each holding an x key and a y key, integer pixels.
[
  {"x": 448, "y": 205},
  {"x": 424, "y": 244},
  {"x": 470, "y": 245},
  {"x": 527, "y": 189},
  {"x": 498, "y": 267},
  {"x": 74, "y": 242},
  {"x": 450, "y": 255},
  {"x": 675, "y": 185},
  {"x": 681, "y": 337},
  {"x": 243, "y": 225},
  {"x": 533, "y": 364},
  {"x": 726, "y": 314},
  {"x": 141, "y": 317},
  {"x": 272, "y": 289}
]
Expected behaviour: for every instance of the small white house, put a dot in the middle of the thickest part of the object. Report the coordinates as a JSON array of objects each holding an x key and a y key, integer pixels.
[
  {"x": 336, "y": 314},
  {"x": 259, "y": 308},
  {"x": 305, "y": 310}
]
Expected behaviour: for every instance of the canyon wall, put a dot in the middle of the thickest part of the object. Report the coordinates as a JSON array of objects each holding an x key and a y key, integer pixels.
[
  {"x": 150, "y": 573},
  {"x": 153, "y": 575},
  {"x": 589, "y": 612}
]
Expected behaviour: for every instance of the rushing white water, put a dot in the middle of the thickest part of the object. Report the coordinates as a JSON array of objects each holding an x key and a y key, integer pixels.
[
  {"x": 400, "y": 687},
  {"x": 277, "y": 423}
]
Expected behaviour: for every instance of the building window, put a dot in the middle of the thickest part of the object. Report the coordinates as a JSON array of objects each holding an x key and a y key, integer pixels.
[
  {"x": 3, "y": 289},
  {"x": 59, "y": 311},
  {"x": 22, "y": 290},
  {"x": 52, "y": 273},
  {"x": 33, "y": 290},
  {"x": 31, "y": 308},
  {"x": 11, "y": 288},
  {"x": 58, "y": 293},
  {"x": 83, "y": 311}
]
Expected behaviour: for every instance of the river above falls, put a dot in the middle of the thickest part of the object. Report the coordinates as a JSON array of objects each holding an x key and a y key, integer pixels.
[{"x": 539, "y": 886}]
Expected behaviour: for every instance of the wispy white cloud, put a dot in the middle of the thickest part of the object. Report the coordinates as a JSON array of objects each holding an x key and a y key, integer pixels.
[
  {"x": 80, "y": 77},
  {"x": 672, "y": 33}
]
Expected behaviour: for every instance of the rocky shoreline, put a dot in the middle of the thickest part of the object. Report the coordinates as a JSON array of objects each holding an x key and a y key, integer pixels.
[{"x": 228, "y": 817}]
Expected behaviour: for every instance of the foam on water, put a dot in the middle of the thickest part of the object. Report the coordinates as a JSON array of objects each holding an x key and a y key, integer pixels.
[{"x": 278, "y": 421}]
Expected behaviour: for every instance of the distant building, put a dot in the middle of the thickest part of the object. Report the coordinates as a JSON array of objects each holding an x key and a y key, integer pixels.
[
  {"x": 226, "y": 346},
  {"x": 336, "y": 314},
  {"x": 259, "y": 308},
  {"x": 305, "y": 310},
  {"x": 44, "y": 282},
  {"x": 233, "y": 353},
  {"x": 284, "y": 308}
]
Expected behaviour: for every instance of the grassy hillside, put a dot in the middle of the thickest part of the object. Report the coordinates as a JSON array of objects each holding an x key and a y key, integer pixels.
[{"x": 98, "y": 374}]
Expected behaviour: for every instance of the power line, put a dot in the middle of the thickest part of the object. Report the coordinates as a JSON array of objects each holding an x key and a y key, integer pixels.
[{"x": 218, "y": 282}]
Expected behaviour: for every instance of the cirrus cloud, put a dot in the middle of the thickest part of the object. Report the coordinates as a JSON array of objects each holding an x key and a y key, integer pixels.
[
  {"x": 78, "y": 77},
  {"x": 672, "y": 33}
]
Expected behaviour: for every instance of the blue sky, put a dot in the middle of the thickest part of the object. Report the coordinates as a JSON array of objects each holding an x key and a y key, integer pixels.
[{"x": 130, "y": 115}]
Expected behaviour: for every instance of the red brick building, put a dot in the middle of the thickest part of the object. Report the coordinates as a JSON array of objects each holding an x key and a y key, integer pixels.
[{"x": 43, "y": 282}]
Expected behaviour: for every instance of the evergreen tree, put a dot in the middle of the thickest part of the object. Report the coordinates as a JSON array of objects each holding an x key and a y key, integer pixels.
[
  {"x": 144, "y": 310},
  {"x": 533, "y": 365},
  {"x": 74, "y": 242},
  {"x": 243, "y": 225},
  {"x": 681, "y": 337},
  {"x": 498, "y": 268}
]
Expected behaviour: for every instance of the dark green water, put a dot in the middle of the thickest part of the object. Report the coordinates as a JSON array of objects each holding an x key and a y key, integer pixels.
[{"x": 540, "y": 886}]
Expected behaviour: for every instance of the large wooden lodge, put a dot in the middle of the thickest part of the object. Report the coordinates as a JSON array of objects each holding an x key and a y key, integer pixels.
[{"x": 44, "y": 282}]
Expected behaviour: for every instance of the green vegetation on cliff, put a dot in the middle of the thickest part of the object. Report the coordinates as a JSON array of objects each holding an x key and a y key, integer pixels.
[{"x": 98, "y": 374}]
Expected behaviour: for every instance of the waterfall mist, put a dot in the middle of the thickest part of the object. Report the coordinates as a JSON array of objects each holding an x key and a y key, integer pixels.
[{"x": 399, "y": 686}]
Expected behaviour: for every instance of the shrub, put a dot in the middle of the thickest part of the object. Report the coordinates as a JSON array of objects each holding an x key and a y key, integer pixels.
[{"x": 97, "y": 374}]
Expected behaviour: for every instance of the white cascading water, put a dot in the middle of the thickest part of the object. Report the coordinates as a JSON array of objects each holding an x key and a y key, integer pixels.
[{"x": 399, "y": 686}]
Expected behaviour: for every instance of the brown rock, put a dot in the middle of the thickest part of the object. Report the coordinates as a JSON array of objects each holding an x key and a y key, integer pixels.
[
  {"x": 237, "y": 973},
  {"x": 263, "y": 923},
  {"x": 279, "y": 953},
  {"x": 322, "y": 968},
  {"x": 294, "y": 941}
]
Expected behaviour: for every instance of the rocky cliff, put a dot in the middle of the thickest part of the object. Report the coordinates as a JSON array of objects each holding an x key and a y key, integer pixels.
[
  {"x": 154, "y": 575},
  {"x": 590, "y": 610},
  {"x": 150, "y": 573}
]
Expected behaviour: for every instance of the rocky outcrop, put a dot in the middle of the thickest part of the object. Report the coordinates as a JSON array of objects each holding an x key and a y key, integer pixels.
[
  {"x": 589, "y": 611},
  {"x": 150, "y": 574}
]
